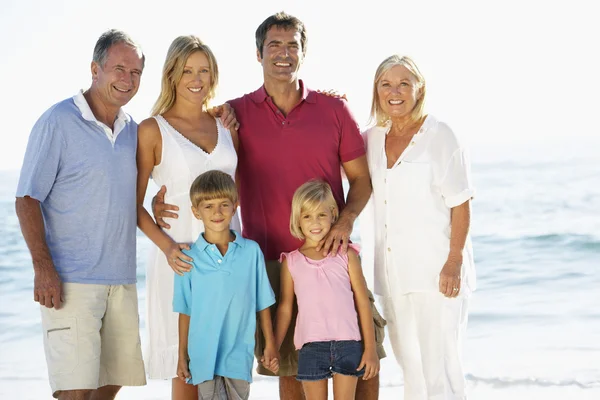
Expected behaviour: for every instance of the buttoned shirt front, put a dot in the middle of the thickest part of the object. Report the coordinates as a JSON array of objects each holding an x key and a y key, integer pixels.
[
  {"x": 86, "y": 188},
  {"x": 222, "y": 294},
  {"x": 278, "y": 153},
  {"x": 412, "y": 206}
]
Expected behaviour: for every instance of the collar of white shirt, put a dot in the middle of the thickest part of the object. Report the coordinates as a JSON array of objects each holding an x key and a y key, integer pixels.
[{"x": 88, "y": 115}]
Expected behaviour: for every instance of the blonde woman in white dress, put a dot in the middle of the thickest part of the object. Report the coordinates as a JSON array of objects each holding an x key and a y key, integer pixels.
[{"x": 179, "y": 142}]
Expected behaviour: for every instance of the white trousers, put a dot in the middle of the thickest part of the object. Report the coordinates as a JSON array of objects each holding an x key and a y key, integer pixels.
[{"x": 426, "y": 330}]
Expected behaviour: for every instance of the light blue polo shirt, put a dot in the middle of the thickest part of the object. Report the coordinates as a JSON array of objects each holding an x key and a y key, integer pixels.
[
  {"x": 222, "y": 295},
  {"x": 84, "y": 176}
]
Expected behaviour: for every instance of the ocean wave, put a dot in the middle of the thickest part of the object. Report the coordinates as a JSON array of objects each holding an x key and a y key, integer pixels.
[
  {"x": 504, "y": 382},
  {"x": 572, "y": 241}
]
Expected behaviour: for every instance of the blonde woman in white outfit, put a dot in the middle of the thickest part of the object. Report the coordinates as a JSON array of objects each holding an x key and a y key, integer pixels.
[
  {"x": 181, "y": 141},
  {"x": 424, "y": 269}
]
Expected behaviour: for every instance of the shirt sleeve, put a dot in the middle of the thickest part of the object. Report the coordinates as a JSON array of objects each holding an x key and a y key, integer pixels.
[
  {"x": 457, "y": 186},
  {"x": 264, "y": 293},
  {"x": 41, "y": 163},
  {"x": 182, "y": 293},
  {"x": 352, "y": 144}
]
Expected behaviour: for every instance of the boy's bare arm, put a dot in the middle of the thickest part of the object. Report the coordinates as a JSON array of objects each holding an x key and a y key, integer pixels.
[
  {"x": 266, "y": 325},
  {"x": 270, "y": 357},
  {"x": 183, "y": 371},
  {"x": 370, "y": 360}
]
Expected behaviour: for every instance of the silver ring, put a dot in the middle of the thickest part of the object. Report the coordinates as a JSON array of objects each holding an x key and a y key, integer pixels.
[{"x": 455, "y": 288}]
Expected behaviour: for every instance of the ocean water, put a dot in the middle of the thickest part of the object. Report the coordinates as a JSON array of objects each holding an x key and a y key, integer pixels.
[{"x": 534, "y": 323}]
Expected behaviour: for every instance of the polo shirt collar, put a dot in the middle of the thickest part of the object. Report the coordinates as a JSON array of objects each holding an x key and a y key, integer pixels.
[
  {"x": 86, "y": 111},
  {"x": 307, "y": 95},
  {"x": 202, "y": 244}
]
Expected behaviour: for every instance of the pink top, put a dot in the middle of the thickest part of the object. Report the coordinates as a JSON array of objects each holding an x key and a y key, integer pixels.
[
  {"x": 325, "y": 299},
  {"x": 279, "y": 153}
]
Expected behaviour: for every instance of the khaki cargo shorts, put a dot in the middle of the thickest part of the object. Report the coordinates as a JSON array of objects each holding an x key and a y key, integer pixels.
[
  {"x": 93, "y": 340},
  {"x": 288, "y": 364}
]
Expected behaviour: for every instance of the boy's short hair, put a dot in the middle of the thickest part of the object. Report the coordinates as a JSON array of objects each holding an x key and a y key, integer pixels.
[
  {"x": 307, "y": 198},
  {"x": 213, "y": 185}
]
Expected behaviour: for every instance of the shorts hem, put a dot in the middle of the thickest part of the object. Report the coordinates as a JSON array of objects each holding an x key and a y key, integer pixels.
[
  {"x": 138, "y": 382},
  {"x": 356, "y": 374},
  {"x": 313, "y": 378},
  {"x": 381, "y": 354}
]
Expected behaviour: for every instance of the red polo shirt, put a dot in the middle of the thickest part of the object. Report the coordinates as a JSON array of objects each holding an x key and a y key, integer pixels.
[{"x": 278, "y": 154}]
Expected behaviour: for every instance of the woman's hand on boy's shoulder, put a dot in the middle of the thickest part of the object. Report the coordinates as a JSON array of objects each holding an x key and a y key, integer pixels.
[{"x": 177, "y": 259}]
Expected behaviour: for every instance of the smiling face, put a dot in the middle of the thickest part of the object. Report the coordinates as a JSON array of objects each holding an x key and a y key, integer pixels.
[
  {"x": 316, "y": 223},
  {"x": 118, "y": 80},
  {"x": 282, "y": 54},
  {"x": 195, "y": 83},
  {"x": 216, "y": 214},
  {"x": 398, "y": 92}
]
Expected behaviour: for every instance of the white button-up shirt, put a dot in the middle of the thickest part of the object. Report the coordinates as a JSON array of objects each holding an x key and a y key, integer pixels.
[{"x": 412, "y": 203}]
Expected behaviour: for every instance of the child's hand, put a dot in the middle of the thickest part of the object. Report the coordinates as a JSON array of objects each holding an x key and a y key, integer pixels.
[
  {"x": 270, "y": 359},
  {"x": 370, "y": 362},
  {"x": 183, "y": 371}
]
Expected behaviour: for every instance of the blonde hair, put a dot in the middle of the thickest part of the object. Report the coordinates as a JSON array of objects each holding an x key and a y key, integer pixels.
[
  {"x": 307, "y": 198},
  {"x": 377, "y": 115},
  {"x": 179, "y": 51},
  {"x": 212, "y": 185}
]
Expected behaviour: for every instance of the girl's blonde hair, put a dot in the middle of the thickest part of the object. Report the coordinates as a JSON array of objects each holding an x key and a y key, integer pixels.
[
  {"x": 307, "y": 198},
  {"x": 380, "y": 118},
  {"x": 179, "y": 51}
]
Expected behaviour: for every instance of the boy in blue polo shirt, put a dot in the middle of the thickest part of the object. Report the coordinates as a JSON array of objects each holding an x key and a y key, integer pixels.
[{"x": 218, "y": 299}]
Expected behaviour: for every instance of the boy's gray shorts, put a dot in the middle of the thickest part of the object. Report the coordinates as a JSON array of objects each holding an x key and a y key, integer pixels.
[{"x": 221, "y": 388}]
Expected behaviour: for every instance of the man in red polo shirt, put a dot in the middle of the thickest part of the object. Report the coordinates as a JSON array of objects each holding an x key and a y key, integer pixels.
[{"x": 288, "y": 135}]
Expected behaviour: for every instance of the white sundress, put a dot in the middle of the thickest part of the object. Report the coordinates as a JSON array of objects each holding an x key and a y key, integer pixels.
[{"x": 181, "y": 162}]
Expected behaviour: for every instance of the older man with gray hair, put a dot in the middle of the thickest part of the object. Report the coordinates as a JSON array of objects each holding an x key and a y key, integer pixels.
[{"x": 76, "y": 204}]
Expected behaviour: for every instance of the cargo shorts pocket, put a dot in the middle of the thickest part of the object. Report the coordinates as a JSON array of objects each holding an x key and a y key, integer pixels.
[
  {"x": 378, "y": 321},
  {"x": 61, "y": 345},
  {"x": 380, "y": 324}
]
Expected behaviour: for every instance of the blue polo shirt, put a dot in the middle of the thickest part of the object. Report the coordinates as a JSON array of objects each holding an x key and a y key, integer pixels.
[
  {"x": 222, "y": 295},
  {"x": 84, "y": 176}
]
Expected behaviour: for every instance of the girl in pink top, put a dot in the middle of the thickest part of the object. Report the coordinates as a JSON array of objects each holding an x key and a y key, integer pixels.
[{"x": 326, "y": 288}]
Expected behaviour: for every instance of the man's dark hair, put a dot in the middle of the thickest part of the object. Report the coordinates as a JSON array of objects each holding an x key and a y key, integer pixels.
[{"x": 281, "y": 20}]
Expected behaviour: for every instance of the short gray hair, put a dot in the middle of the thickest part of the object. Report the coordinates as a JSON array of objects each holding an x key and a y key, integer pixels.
[{"x": 110, "y": 38}]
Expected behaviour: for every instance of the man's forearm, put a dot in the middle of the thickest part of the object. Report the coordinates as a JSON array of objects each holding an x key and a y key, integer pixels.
[
  {"x": 358, "y": 196},
  {"x": 32, "y": 227}
]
